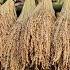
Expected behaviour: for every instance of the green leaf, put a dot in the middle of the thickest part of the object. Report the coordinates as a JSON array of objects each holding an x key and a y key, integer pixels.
[
  {"x": 2, "y": 1},
  {"x": 57, "y": 5}
]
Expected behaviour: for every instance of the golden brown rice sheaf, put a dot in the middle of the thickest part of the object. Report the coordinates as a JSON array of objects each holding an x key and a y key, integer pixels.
[
  {"x": 36, "y": 37},
  {"x": 7, "y": 20},
  {"x": 10, "y": 29},
  {"x": 62, "y": 38}
]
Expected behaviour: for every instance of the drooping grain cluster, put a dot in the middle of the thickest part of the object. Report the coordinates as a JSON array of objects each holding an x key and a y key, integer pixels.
[
  {"x": 36, "y": 37},
  {"x": 7, "y": 19},
  {"x": 62, "y": 38},
  {"x": 36, "y": 40}
]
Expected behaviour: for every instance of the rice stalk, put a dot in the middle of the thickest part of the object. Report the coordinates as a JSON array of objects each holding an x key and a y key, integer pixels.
[{"x": 29, "y": 6}]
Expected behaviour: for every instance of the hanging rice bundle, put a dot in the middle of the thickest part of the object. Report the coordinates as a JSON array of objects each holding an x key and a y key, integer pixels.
[
  {"x": 2, "y": 1},
  {"x": 36, "y": 37},
  {"x": 17, "y": 55},
  {"x": 7, "y": 20},
  {"x": 62, "y": 38}
]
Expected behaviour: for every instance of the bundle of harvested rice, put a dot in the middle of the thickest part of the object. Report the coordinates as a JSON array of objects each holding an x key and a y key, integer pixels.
[
  {"x": 62, "y": 38},
  {"x": 7, "y": 19},
  {"x": 36, "y": 37},
  {"x": 18, "y": 55}
]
